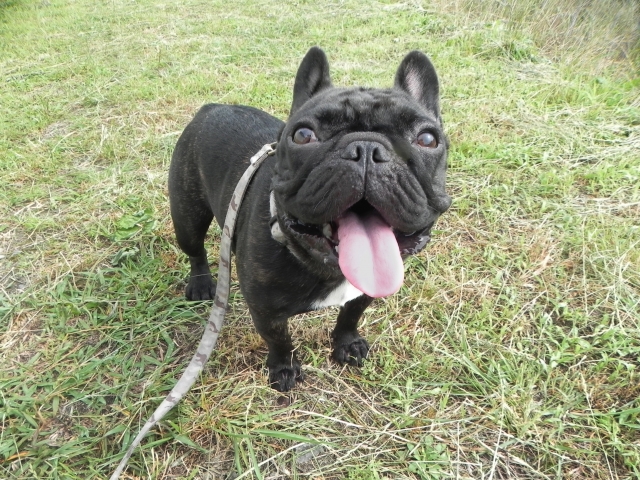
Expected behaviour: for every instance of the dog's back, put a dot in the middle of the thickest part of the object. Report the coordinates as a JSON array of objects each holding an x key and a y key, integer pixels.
[{"x": 209, "y": 157}]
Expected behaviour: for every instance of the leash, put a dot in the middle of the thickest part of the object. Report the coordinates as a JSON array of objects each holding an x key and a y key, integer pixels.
[{"x": 216, "y": 318}]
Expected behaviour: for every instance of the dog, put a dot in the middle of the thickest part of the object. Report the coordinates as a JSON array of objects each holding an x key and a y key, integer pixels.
[{"x": 356, "y": 184}]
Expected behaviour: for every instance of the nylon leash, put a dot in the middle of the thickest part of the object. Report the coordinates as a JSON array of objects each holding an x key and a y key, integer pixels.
[{"x": 216, "y": 318}]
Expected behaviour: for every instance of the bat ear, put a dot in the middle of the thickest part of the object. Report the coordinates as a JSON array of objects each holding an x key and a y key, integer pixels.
[
  {"x": 417, "y": 76},
  {"x": 312, "y": 77}
]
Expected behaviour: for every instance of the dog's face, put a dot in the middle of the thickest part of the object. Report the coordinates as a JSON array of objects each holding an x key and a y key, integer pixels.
[{"x": 360, "y": 173}]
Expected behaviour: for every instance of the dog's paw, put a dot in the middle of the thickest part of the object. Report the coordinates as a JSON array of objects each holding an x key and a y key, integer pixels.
[
  {"x": 350, "y": 348},
  {"x": 285, "y": 376},
  {"x": 201, "y": 288}
]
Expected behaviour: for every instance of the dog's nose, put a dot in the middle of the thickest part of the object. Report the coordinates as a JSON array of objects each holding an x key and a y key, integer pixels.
[{"x": 363, "y": 150}]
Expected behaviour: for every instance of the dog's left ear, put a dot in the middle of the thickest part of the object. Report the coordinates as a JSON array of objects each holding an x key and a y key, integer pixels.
[
  {"x": 417, "y": 76},
  {"x": 312, "y": 76}
]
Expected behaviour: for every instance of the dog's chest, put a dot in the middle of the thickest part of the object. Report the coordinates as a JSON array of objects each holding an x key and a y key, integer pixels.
[{"x": 338, "y": 297}]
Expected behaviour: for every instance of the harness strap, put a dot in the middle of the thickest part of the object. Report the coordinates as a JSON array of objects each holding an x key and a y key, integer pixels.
[{"x": 216, "y": 318}]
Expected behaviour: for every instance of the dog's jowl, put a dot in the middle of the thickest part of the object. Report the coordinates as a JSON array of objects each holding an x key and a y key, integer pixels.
[{"x": 356, "y": 184}]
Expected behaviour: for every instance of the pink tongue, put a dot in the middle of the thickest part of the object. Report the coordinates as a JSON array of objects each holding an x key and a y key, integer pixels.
[{"x": 368, "y": 254}]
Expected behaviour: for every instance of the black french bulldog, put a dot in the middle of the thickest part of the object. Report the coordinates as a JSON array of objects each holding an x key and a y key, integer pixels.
[{"x": 357, "y": 182}]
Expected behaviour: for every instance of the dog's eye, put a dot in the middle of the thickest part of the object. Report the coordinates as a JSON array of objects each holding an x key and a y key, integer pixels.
[
  {"x": 427, "y": 140},
  {"x": 304, "y": 135}
]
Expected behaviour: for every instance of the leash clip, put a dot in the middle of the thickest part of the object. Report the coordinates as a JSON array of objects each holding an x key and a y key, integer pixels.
[{"x": 266, "y": 151}]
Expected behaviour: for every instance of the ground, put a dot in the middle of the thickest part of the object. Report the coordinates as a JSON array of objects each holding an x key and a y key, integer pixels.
[{"x": 511, "y": 351}]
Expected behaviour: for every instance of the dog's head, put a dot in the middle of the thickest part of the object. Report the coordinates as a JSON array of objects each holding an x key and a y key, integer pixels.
[{"x": 360, "y": 173}]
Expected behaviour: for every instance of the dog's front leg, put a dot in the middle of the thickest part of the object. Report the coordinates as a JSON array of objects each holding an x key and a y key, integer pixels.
[
  {"x": 284, "y": 368},
  {"x": 348, "y": 346}
]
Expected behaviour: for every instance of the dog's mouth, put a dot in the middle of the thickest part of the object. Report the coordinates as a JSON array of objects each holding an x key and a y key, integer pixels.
[{"x": 367, "y": 249}]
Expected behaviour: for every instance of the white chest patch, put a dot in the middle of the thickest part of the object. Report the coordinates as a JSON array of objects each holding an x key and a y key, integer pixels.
[{"x": 338, "y": 297}]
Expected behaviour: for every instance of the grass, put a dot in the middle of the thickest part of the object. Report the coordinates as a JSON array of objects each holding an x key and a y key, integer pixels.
[{"x": 512, "y": 350}]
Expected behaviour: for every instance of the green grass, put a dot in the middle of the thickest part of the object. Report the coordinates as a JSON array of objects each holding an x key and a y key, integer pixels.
[{"x": 512, "y": 350}]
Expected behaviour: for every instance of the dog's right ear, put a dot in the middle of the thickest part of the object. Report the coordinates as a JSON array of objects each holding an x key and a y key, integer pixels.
[
  {"x": 312, "y": 76},
  {"x": 417, "y": 76}
]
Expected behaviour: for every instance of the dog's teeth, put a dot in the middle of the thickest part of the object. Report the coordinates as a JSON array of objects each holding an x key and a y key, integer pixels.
[{"x": 327, "y": 231}]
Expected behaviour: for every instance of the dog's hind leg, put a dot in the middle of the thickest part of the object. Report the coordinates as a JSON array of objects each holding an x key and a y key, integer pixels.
[{"x": 191, "y": 224}]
